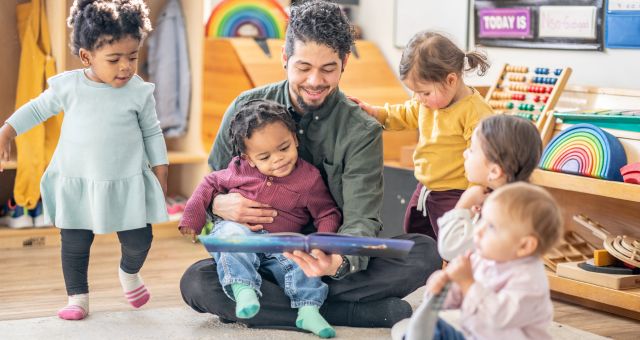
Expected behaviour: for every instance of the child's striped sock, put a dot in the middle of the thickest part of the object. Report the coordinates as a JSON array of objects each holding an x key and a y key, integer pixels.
[
  {"x": 134, "y": 289},
  {"x": 76, "y": 309}
]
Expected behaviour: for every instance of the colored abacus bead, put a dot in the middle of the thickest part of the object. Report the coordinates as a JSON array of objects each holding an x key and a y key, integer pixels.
[{"x": 557, "y": 72}]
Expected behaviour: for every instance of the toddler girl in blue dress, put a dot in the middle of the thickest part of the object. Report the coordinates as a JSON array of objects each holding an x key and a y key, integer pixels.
[{"x": 109, "y": 171}]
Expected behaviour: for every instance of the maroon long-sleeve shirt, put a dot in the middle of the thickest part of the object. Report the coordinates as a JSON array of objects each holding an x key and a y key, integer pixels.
[{"x": 297, "y": 197}]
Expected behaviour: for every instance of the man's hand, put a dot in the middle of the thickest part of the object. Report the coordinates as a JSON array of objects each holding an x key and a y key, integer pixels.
[
  {"x": 234, "y": 207},
  {"x": 317, "y": 263}
]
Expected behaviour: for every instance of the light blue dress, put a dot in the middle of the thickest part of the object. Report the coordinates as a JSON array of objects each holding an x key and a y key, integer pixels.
[{"x": 100, "y": 175}]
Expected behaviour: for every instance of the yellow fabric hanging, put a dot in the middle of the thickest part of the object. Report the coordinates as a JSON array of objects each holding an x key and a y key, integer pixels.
[{"x": 35, "y": 147}]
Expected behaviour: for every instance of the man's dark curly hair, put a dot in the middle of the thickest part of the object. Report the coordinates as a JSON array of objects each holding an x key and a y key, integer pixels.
[
  {"x": 94, "y": 23},
  {"x": 320, "y": 22},
  {"x": 253, "y": 115}
]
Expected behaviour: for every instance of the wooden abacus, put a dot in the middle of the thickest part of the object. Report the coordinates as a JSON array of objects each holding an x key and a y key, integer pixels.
[{"x": 528, "y": 92}]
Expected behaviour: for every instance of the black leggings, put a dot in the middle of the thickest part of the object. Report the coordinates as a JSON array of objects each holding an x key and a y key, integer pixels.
[{"x": 76, "y": 246}]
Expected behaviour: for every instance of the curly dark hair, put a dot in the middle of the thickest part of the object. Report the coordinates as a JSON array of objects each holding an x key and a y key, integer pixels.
[
  {"x": 94, "y": 23},
  {"x": 321, "y": 22},
  {"x": 253, "y": 115}
]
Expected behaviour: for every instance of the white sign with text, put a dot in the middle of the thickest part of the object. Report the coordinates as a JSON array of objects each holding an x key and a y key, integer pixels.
[{"x": 567, "y": 22}]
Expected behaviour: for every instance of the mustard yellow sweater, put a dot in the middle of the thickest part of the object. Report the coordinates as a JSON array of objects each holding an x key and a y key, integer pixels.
[{"x": 444, "y": 135}]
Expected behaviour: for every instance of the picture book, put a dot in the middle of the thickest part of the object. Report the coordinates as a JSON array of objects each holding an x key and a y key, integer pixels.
[{"x": 328, "y": 243}]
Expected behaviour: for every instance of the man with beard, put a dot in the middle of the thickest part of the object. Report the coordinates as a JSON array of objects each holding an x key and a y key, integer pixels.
[{"x": 345, "y": 144}]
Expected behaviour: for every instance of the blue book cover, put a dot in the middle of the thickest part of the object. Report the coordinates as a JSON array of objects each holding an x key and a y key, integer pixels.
[{"x": 328, "y": 243}]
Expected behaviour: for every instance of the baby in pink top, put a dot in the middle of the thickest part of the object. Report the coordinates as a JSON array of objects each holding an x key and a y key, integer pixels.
[
  {"x": 266, "y": 169},
  {"x": 501, "y": 288}
]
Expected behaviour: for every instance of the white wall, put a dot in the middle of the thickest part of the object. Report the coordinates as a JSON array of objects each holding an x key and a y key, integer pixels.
[{"x": 612, "y": 68}]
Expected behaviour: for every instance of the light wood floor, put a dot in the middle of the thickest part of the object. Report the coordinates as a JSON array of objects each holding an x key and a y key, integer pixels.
[{"x": 31, "y": 284}]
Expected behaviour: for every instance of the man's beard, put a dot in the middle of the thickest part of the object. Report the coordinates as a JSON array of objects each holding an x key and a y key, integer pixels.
[{"x": 306, "y": 107}]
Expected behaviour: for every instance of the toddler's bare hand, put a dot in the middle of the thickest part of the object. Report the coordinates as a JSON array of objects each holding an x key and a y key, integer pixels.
[
  {"x": 436, "y": 282},
  {"x": 190, "y": 233}
]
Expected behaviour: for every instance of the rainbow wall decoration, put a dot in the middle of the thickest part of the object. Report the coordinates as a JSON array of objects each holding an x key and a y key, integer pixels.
[
  {"x": 247, "y": 18},
  {"x": 585, "y": 150}
]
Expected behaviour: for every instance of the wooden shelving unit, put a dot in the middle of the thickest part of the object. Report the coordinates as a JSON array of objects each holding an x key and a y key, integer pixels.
[
  {"x": 587, "y": 185},
  {"x": 613, "y": 204},
  {"x": 622, "y": 302}
]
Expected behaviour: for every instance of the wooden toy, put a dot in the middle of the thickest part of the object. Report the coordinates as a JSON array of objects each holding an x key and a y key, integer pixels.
[
  {"x": 631, "y": 173},
  {"x": 601, "y": 258},
  {"x": 616, "y": 268},
  {"x": 571, "y": 270},
  {"x": 622, "y": 247},
  {"x": 585, "y": 150},
  {"x": 571, "y": 248},
  {"x": 530, "y": 92},
  {"x": 247, "y": 18},
  {"x": 628, "y": 120}
]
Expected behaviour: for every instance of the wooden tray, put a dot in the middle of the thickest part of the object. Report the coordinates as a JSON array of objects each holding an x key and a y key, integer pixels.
[{"x": 572, "y": 248}]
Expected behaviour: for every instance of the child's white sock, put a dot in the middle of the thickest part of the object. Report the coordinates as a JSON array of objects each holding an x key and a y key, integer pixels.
[
  {"x": 134, "y": 289},
  {"x": 76, "y": 309}
]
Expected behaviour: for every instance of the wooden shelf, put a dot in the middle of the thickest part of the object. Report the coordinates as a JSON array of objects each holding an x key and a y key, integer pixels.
[
  {"x": 587, "y": 185},
  {"x": 177, "y": 157},
  {"x": 623, "y": 302},
  {"x": 50, "y": 236}
]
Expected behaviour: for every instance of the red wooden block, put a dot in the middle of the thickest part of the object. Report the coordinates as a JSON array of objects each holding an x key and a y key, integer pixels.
[{"x": 631, "y": 173}]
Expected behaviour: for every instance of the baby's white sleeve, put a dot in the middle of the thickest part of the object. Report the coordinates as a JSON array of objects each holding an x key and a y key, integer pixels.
[{"x": 455, "y": 236}]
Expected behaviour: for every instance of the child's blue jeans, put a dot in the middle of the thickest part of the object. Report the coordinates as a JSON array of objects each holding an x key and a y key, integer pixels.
[
  {"x": 445, "y": 331},
  {"x": 243, "y": 268}
]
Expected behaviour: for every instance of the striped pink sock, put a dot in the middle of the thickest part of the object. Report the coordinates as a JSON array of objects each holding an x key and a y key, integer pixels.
[
  {"x": 76, "y": 309},
  {"x": 138, "y": 297},
  {"x": 134, "y": 289}
]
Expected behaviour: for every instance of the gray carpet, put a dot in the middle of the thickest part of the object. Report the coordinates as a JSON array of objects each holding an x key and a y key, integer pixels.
[{"x": 184, "y": 323}]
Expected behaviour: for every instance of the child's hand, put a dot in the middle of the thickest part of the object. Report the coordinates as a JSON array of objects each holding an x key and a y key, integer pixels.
[
  {"x": 188, "y": 232},
  {"x": 436, "y": 282},
  {"x": 369, "y": 109},
  {"x": 473, "y": 198},
  {"x": 459, "y": 271},
  {"x": 7, "y": 134},
  {"x": 162, "y": 173}
]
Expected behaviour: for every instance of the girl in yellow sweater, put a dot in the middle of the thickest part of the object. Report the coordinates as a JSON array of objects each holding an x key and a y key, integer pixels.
[{"x": 445, "y": 111}]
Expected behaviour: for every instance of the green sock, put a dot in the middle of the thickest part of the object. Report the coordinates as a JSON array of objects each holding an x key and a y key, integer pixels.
[
  {"x": 247, "y": 304},
  {"x": 309, "y": 318}
]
